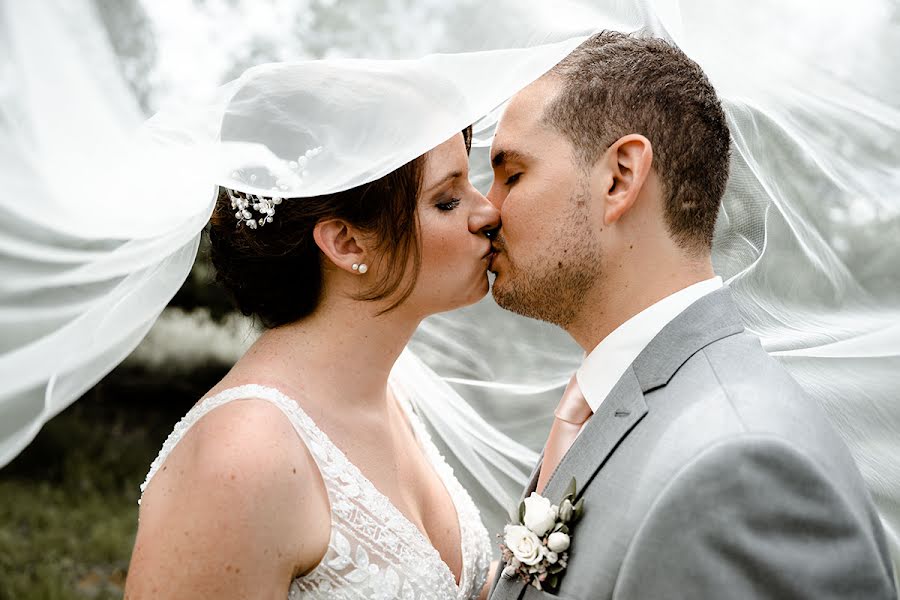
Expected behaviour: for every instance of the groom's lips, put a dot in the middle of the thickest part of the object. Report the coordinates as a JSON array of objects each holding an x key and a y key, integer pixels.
[{"x": 489, "y": 257}]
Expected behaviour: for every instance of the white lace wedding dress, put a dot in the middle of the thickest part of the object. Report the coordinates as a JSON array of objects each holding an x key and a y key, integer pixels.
[{"x": 375, "y": 552}]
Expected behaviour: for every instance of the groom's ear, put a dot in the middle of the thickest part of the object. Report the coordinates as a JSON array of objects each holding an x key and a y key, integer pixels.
[
  {"x": 624, "y": 169},
  {"x": 340, "y": 242}
]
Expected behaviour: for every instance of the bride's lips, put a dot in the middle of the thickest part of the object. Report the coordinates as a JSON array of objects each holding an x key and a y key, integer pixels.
[{"x": 489, "y": 257}]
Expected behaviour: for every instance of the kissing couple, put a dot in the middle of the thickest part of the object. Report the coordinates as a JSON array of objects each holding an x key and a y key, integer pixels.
[{"x": 683, "y": 461}]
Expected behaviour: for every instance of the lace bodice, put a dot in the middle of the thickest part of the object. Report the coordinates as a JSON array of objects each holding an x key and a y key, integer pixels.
[{"x": 375, "y": 552}]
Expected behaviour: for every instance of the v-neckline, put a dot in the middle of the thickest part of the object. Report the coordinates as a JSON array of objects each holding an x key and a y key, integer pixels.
[
  {"x": 396, "y": 516},
  {"x": 430, "y": 454}
]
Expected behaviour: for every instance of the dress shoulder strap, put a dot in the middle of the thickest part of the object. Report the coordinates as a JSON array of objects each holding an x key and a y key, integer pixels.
[{"x": 304, "y": 426}]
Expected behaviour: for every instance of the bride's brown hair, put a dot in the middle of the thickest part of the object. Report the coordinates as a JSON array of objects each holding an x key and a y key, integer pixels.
[{"x": 275, "y": 272}]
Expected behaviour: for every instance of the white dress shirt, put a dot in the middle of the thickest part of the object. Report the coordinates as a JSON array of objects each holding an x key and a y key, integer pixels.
[{"x": 606, "y": 363}]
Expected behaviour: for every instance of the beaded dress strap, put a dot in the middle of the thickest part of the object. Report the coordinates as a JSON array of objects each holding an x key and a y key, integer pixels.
[{"x": 301, "y": 422}]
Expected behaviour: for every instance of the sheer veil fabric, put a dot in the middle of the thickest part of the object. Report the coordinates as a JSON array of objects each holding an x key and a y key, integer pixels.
[{"x": 101, "y": 224}]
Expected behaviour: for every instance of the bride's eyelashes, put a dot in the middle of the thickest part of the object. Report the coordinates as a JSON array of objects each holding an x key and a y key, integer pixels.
[{"x": 448, "y": 205}]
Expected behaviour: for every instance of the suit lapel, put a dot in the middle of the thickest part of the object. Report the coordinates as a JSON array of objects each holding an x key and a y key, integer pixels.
[
  {"x": 532, "y": 482},
  {"x": 506, "y": 589},
  {"x": 614, "y": 419},
  {"x": 618, "y": 415}
]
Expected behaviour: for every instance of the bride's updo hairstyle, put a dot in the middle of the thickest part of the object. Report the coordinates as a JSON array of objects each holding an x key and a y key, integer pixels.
[{"x": 274, "y": 273}]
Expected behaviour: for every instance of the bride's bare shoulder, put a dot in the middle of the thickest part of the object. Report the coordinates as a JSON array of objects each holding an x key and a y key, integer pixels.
[
  {"x": 242, "y": 451},
  {"x": 250, "y": 439},
  {"x": 240, "y": 488}
]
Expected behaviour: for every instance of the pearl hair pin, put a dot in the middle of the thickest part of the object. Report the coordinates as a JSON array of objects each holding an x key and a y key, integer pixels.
[
  {"x": 263, "y": 205},
  {"x": 243, "y": 202}
]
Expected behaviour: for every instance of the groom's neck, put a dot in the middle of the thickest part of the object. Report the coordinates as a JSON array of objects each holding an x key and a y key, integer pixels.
[{"x": 621, "y": 293}]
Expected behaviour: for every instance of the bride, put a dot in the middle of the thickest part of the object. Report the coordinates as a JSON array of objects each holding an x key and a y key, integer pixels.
[{"x": 361, "y": 504}]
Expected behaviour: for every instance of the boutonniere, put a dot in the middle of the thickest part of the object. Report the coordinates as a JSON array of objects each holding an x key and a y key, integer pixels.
[{"x": 536, "y": 548}]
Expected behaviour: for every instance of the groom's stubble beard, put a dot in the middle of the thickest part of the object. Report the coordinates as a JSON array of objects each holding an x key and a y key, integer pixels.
[{"x": 555, "y": 289}]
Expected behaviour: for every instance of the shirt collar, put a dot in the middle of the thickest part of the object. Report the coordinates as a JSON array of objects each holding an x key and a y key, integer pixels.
[{"x": 606, "y": 363}]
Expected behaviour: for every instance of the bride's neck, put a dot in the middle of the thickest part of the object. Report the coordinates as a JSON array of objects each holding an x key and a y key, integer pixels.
[{"x": 344, "y": 351}]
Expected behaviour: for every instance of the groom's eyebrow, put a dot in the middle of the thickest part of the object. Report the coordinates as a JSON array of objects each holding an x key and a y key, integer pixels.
[{"x": 505, "y": 156}]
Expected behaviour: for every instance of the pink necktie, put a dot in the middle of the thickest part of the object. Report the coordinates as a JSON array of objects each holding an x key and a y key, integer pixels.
[{"x": 572, "y": 412}]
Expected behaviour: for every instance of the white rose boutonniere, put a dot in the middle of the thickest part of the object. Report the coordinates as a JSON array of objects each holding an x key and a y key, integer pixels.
[
  {"x": 536, "y": 548},
  {"x": 525, "y": 545},
  {"x": 540, "y": 515}
]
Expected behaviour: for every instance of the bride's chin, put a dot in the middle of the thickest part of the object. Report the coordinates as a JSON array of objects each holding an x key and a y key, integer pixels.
[
  {"x": 484, "y": 288},
  {"x": 481, "y": 289}
]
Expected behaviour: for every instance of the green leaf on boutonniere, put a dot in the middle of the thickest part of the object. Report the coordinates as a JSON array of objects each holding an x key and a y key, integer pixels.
[
  {"x": 561, "y": 527},
  {"x": 552, "y": 583},
  {"x": 570, "y": 491},
  {"x": 579, "y": 510},
  {"x": 557, "y": 568},
  {"x": 566, "y": 510},
  {"x": 522, "y": 513}
]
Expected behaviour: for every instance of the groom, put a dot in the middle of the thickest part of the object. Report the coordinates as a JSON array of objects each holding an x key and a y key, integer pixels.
[{"x": 705, "y": 471}]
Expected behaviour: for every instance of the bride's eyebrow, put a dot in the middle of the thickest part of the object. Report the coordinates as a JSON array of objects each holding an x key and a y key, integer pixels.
[{"x": 445, "y": 179}]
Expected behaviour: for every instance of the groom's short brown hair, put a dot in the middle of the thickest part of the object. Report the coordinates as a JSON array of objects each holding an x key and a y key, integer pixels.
[{"x": 615, "y": 84}]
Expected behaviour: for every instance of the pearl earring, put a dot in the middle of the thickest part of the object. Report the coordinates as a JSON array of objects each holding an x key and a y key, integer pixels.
[
  {"x": 361, "y": 269},
  {"x": 355, "y": 267}
]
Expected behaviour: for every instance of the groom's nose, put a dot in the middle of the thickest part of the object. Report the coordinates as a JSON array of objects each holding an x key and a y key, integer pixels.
[{"x": 495, "y": 195}]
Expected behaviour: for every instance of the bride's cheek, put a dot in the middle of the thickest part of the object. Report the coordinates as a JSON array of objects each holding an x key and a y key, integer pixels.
[
  {"x": 447, "y": 247},
  {"x": 435, "y": 260}
]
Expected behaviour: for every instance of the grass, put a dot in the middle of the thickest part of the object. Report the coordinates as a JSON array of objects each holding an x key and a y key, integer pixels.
[{"x": 68, "y": 503}]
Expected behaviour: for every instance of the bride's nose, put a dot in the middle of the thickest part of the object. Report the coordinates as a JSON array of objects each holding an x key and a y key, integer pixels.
[{"x": 484, "y": 217}]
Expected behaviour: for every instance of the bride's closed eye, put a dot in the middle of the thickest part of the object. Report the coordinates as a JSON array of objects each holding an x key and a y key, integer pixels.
[{"x": 448, "y": 205}]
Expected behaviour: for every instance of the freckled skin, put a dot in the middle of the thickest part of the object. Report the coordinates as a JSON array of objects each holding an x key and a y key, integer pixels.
[{"x": 206, "y": 523}]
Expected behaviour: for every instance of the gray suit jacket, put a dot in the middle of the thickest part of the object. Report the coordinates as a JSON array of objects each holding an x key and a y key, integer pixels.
[{"x": 708, "y": 474}]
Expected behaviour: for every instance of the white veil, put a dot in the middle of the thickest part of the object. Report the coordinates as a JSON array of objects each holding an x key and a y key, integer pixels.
[
  {"x": 102, "y": 222},
  {"x": 808, "y": 239}
]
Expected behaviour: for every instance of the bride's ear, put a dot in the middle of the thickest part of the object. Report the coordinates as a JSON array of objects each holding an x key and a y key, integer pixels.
[
  {"x": 340, "y": 242},
  {"x": 625, "y": 167}
]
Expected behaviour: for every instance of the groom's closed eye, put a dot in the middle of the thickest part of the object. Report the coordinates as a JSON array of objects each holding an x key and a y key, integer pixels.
[{"x": 510, "y": 161}]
